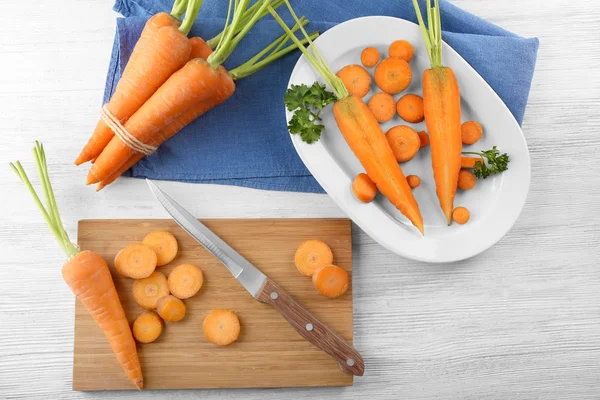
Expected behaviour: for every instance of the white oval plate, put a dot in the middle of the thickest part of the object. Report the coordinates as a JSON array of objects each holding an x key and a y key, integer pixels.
[{"x": 495, "y": 203}]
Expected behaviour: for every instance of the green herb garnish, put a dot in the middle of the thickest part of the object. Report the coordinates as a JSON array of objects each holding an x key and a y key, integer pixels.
[
  {"x": 307, "y": 104},
  {"x": 496, "y": 162}
]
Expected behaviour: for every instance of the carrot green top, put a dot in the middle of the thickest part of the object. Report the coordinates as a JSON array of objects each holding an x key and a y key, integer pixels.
[{"x": 432, "y": 34}]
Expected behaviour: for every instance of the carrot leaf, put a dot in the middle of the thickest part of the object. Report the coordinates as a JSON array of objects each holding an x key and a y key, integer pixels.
[
  {"x": 307, "y": 104},
  {"x": 432, "y": 33},
  {"x": 496, "y": 162}
]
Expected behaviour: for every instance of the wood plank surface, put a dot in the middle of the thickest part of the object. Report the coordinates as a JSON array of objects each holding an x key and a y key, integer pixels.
[{"x": 269, "y": 352}]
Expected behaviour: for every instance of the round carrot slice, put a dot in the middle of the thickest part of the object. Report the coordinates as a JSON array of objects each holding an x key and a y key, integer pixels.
[
  {"x": 356, "y": 79},
  {"x": 147, "y": 327},
  {"x": 221, "y": 327},
  {"x": 164, "y": 244},
  {"x": 170, "y": 308},
  {"x": 383, "y": 106},
  {"x": 461, "y": 215},
  {"x": 393, "y": 75},
  {"x": 410, "y": 108},
  {"x": 471, "y": 132},
  {"x": 413, "y": 181},
  {"x": 369, "y": 57},
  {"x": 147, "y": 291},
  {"x": 331, "y": 281},
  {"x": 466, "y": 180},
  {"x": 401, "y": 49},
  {"x": 185, "y": 281},
  {"x": 404, "y": 141},
  {"x": 136, "y": 261},
  {"x": 364, "y": 189},
  {"x": 311, "y": 255}
]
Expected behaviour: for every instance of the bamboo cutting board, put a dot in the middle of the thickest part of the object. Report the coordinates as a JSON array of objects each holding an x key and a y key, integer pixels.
[{"x": 269, "y": 352}]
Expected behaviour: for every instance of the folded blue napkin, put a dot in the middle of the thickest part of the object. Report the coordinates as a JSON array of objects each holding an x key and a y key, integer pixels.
[{"x": 245, "y": 141}]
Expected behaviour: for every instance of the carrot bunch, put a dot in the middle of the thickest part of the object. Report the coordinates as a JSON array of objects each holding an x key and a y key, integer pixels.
[{"x": 88, "y": 276}]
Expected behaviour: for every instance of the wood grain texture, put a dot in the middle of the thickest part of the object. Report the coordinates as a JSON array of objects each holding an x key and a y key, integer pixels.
[
  {"x": 269, "y": 352},
  {"x": 520, "y": 321}
]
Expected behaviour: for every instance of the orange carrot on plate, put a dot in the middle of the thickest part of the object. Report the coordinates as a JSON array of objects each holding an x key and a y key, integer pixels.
[
  {"x": 356, "y": 79},
  {"x": 383, "y": 106},
  {"x": 393, "y": 75},
  {"x": 364, "y": 189},
  {"x": 369, "y": 57},
  {"x": 401, "y": 49},
  {"x": 404, "y": 142},
  {"x": 410, "y": 108}
]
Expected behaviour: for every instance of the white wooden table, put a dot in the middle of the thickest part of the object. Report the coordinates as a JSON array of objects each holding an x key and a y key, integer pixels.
[{"x": 520, "y": 321}]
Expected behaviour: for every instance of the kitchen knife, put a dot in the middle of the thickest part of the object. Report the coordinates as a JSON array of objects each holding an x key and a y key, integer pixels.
[{"x": 264, "y": 289}]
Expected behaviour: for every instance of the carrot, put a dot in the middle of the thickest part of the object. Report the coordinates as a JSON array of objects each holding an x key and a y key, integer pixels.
[
  {"x": 136, "y": 261},
  {"x": 404, "y": 142},
  {"x": 331, "y": 281},
  {"x": 200, "y": 49},
  {"x": 413, "y": 181},
  {"x": 185, "y": 281},
  {"x": 466, "y": 180},
  {"x": 88, "y": 276},
  {"x": 164, "y": 245},
  {"x": 147, "y": 327},
  {"x": 370, "y": 57},
  {"x": 423, "y": 138},
  {"x": 401, "y": 49},
  {"x": 410, "y": 108},
  {"x": 161, "y": 46},
  {"x": 364, "y": 189},
  {"x": 393, "y": 75},
  {"x": 461, "y": 215},
  {"x": 356, "y": 79},
  {"x": 147, "y": 291},
  {"x": 221, "y": 327},
  {"x": 311, "y": 255},
  {"x": 469, "y": 162},
  {"x": 470, "y": 132},
  {"x": 441, "y": 100},
  {"x": 170, "y": 308},
  {"x": 362, "y": 132},
  {"x": 383, "y": 106}
]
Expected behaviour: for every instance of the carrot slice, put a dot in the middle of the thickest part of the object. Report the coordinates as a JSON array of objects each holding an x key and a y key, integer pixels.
[
  {"x": 461, "y": 215},
  {"x": 331, "y": 281},
  {"x": 170, "y": 308},
  {"x": 466, "y": 180},
  {"x": 469, "y": 162},
  {"x": 147, "y": 291},
  {"x": 164, "y": 244},
  {"x": 370, "y": 57},
  {"x": 136, "y": 261},
  {"x": 471, "y": 132},
  {"x": 410, "y": 108},
  {"x": 147, "y": 327},
  {"x": 185, "y": 281},
  {"x": 356, "y": 79},
  {"x": 423, "y": 138},
  {"x": 404, "y": 142},
  {"x": 401, "y": 49},
  {"x": 383, "y": 106},
  {"x": 221, "y": 327},
  {"x": 364, "y": 189},
  {"x": 311, "y": 255},
  {"x": 393, "y": 75},
  {"x": 413, "y": 181}
]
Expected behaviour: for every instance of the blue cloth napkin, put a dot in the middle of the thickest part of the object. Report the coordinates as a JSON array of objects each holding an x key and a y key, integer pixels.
[{"x": 245, "y": 142}]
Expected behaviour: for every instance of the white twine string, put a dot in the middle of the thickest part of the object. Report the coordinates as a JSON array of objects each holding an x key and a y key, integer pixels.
[{"x": 123, "y": 134}]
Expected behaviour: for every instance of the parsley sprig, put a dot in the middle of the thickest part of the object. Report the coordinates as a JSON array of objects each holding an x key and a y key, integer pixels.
[
  {"x": 307, "y": 103},
  {"x": 496, "y": 162}
]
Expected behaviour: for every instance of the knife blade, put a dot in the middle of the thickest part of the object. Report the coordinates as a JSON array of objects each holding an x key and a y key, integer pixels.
[{"x": 264, "y": 289}]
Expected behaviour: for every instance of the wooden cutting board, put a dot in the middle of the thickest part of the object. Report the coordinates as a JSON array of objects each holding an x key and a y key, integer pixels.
[{"x": 269, "y": 352}]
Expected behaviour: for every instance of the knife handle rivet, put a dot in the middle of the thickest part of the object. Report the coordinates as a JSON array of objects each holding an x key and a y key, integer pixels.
[
  {"x": 274, "y": 295},
  {"x": 309, "y": 327},
  {"x": 350, "y": 362}
]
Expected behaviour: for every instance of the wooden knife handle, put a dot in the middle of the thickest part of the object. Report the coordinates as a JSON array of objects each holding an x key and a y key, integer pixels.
[{"x": 313, "y": 330}]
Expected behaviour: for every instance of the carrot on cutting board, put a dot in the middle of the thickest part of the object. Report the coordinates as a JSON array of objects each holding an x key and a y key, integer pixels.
[
  {"x": 383, "y": 106},
  {"x": 136, "y": 261},
  {"x": 441, "y": 100},
  {"x": 461, "y": 215},
  {"x": 362, "y": 132},
  {"x": 88, "y": 276},
  {"x": 471, "y": 132},
  {"x": 311, "y": 255},
  {"x": 147, "y": 291},
  {"x": 404, "y": 142},
  {"x": 356, "y": 79},
  {"x": 164, "y": 245},
  {"x": 185, "y": 281},
  {"x": 401, "y": 49},
  {"x": 170, "y": 308},
  {"x": 331, "y": 281},
  {"x": 414, "y": 181},
  {"x": 469, "y": 162},
  {"x": 364, "y": 189},
  {"x": 147, "y": 327},
  {"x": 369, "y": 57},
  {"x": 393, "y": 75},
  {"x": 410, "y": 108},
  {"x": 466, "y": 180},
  {"x": 221, "y": 327}
]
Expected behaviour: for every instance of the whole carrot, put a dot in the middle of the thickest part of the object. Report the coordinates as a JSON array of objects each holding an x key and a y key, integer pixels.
[
  {"x": 88, "y": 276},
  {"x": 441, "y": 101}
]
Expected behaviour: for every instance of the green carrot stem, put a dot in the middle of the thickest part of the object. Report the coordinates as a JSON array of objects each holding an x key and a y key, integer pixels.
[
  {"x": 228, "y": 43},
  {"x": 193, "y": 8},
  {"x": 432, "y": 33},
  {"x": 179, "y": 8}
]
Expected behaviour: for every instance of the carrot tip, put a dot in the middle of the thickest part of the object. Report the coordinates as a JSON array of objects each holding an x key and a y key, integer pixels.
[
  {"x": 100, "y": 186},
  {"x": 90, "y": 180}
]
